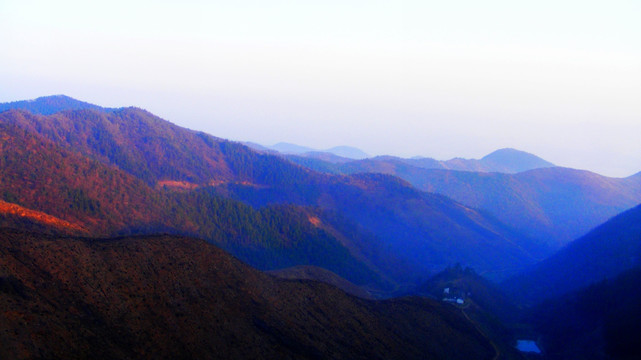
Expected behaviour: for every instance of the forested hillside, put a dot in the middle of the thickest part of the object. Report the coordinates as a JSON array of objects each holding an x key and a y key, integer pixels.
[
  {"x": 93, "y": 198},
  {"x": 418, "y": 233},
  {"x": 170, "y": 297}
]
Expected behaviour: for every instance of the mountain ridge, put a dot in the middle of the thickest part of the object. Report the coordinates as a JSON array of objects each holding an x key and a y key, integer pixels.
[
  {"x": 342, "y": 152},
  {"x": 506, "y": 160},
  {"x": 105, "y": 201},
  {"x": 427, "y": 231},
  {"x": 554, "y": 205}
]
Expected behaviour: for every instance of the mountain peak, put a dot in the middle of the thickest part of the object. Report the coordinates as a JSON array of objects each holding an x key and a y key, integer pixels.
[
  {"x": 47, "y": 105},
  {"x": 513, "y": 160}
]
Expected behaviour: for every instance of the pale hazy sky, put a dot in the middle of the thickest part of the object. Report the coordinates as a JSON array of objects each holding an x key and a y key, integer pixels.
[{"x": 561, "y": 79}]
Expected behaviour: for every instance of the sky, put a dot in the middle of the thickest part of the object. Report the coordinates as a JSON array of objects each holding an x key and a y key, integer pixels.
[{"x": 441, "y": 79}]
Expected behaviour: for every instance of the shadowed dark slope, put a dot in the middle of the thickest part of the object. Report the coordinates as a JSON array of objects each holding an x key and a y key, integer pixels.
[
  {"x": 597, "y": 322},
  {"x": 605, "y": 252},
  {"x": 308, "y": 272},
  {"x": 170, "y": 297}
]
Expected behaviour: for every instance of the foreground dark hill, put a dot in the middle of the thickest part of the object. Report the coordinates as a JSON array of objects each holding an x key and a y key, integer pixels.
[
  {"x": 553, "y": 204},
  {"x": 597, "y": 322},
  {"x": 404, "y": 233},
  {"x": 308, "y": 272},
  {"x": 605, "y": 252},
  {"x": 172, "y": 297}
]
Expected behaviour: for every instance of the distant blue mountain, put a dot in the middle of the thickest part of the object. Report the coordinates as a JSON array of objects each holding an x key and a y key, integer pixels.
[
  {"x": 346, "y": 152},
  {"x": 48, "y": 105},
  {"x": 507, "y": 161},
  {"x": 287, "y": 148},
  {"x": 513, "y": 161}
]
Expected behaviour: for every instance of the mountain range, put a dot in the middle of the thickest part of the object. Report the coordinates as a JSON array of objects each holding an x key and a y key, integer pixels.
[
  {"x": 43, "y": 182},
  {"x": 85, "y": 191},
  {"x": 507, "y": 160},
  {"x": 398, "y": 232},
  {"x": 554, "y": 205}
]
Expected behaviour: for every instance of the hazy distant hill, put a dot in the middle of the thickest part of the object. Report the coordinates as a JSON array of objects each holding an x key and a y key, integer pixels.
[
  {"x": 509, "y": 161},
  {"x": 48, "y": 105},
  {"x": 346, "y": 152},
  {"x": 605, "y": 252},
  {"x": 171, "y": 297},
  {"x": 321, "y": 158},
  {"x": 290, "y": 148},
  {"x": 513, "y": 161},
  {"x": 404, "y": 233}
]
